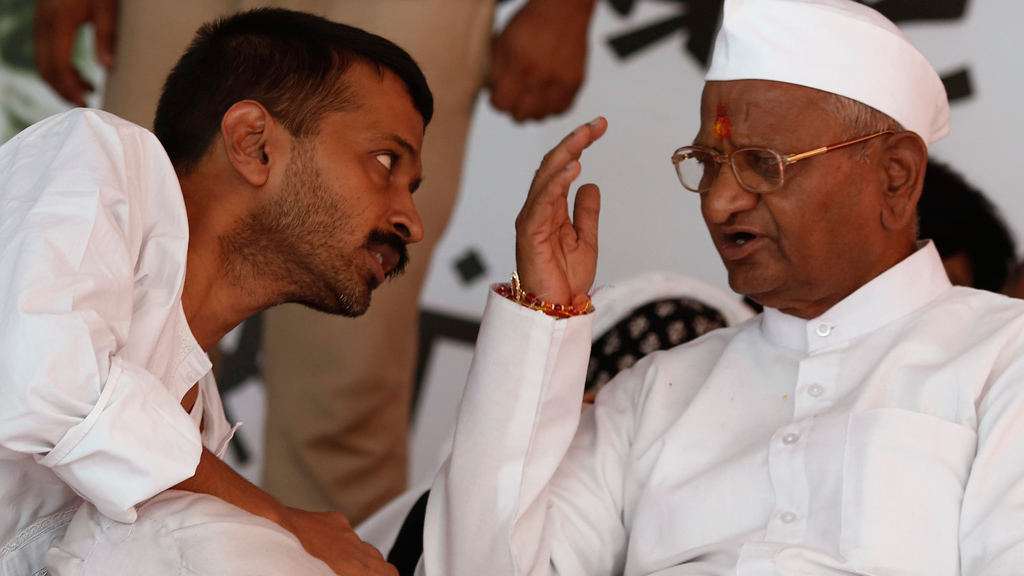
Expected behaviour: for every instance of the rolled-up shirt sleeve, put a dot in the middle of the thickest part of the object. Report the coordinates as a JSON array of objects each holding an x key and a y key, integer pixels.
[{"x": 70, "y": 397}]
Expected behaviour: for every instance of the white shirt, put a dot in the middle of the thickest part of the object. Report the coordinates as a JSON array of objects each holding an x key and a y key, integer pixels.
[
  {"x": 884, "y": 437},
  {"x": 95, "y": 351}
]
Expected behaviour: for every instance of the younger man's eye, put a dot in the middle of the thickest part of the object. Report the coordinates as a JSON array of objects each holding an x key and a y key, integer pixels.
[{"x": 386, "y": 160}]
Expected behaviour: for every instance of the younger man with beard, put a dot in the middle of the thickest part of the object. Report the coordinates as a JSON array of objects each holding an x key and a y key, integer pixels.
[{"x": 289, "y": 148}]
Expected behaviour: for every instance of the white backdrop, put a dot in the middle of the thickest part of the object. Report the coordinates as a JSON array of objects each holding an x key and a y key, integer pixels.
[{"x": 649, "y": 222}]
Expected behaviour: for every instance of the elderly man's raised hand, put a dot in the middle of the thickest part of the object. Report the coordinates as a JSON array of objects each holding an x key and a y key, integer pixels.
[
  {"x": 56, "y": 25},
  {"x": 538, "y": 60},
  {"x": 556, "y": 256}
]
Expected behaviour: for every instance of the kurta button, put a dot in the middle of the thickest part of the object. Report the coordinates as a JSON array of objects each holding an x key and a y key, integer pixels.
[
  {"x": 823, "y": 330},
  {"x": 787, "y": 517},
  {"x": 790, "y": 439},
  {"x": 815, "y": 390},
  {"x": 191, "y": 375}
]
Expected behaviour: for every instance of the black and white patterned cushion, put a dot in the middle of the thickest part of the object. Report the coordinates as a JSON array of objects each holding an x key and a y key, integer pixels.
[{"x": 657, "y": 325}]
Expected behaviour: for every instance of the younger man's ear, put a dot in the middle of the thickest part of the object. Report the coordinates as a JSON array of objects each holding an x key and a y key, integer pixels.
[
  {"x": 248, "y": 132},
  {"x": 904, "y": 160}
]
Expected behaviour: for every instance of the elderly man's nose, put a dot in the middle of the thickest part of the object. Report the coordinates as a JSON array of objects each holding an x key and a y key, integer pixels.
[{"x": 726, "y": 197}]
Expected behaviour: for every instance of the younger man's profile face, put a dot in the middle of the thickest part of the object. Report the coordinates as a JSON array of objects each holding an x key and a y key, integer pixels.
[{"x": 343, "y": 212}]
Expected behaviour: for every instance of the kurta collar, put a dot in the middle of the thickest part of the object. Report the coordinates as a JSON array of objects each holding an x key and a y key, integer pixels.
[
  {"x": 192, "y": 363},
  {"x": 900, "y": 290}
]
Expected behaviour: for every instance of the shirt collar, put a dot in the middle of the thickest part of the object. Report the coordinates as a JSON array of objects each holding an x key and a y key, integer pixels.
[
  {"x": 192, "y": 363},
  {"x": 900, "y": 290}
]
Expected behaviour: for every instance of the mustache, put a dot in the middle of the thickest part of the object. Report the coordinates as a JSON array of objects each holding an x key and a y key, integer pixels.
[{"x": 396, "y": 243}]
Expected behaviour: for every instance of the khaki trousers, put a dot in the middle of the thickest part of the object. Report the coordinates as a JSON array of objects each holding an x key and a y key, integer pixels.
[{"x": 338, "y": 389}]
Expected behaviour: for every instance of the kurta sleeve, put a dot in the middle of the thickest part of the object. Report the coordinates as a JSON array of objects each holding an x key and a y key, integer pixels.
[
  {"x": 992, "y": 513},
  {"x": 69, "y": 245},
  {"x": 509, "y": 501}
]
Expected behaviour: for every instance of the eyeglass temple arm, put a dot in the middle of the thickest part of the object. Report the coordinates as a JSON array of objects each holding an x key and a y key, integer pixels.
[{"x": 818, "y": 151}]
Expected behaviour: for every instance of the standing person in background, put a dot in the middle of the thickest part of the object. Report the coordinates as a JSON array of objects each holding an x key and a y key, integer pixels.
[
  {"x": 976, "y": 246},
  {"x": 339, "y": 393}
]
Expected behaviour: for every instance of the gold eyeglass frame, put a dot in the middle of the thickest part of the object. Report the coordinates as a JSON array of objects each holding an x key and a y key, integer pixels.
[{"x": 785, "y": 160}]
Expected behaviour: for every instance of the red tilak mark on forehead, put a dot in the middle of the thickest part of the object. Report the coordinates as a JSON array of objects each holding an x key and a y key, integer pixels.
[{"x": 723, "y": 126}]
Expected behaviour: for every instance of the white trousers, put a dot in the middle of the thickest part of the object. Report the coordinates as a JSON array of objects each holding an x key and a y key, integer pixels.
[{"x": 180, "y": 534}]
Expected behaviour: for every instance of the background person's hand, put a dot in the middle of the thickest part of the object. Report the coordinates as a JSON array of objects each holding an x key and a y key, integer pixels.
[
  {"x": 538, "y": 60},
  {"x": 556, "y": 256},
  {"x": 56, "y": 24},
  {"x": 329, "y": 537}
]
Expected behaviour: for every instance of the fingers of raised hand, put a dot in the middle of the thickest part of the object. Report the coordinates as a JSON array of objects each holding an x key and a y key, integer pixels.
[
  {"x": 570, "y": 149},
  {"x": 546, "y": 200},
  {"x": 585, "y": 214},
  {"x": 598, "y": 126},
  {"x": 572, "y": 146},
  {"x": 559, "y": 168},
  {"x": 557, "y": 185}
]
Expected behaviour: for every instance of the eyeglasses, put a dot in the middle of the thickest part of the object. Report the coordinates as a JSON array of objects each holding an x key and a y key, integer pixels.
[{"x": 757, "y": 170}]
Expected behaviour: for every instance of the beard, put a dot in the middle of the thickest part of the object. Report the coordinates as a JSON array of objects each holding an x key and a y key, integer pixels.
[{"x": 302, "y": 246}]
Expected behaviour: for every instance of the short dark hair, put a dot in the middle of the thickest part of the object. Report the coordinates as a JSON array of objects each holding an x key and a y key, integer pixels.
[
  {"x": 293, "y": 63},
  {"x": 959, "y": 219}
]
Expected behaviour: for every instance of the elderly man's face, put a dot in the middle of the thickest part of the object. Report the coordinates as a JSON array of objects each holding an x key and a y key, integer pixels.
[{"x": 809, "y": 244}]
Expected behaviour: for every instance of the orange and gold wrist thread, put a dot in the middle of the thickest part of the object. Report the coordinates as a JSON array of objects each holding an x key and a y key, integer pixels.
[{"x": 514, "y": 292}]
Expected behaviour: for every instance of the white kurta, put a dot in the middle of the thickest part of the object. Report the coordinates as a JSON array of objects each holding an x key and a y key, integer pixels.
[
  {"x": 884, "y": 437},
  {"x": 95, "y": 351}
]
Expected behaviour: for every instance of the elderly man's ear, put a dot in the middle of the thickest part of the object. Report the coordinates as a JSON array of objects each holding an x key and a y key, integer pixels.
[
  {"x": 904, "y": 158},
  {"x": 252, "y": 140}
]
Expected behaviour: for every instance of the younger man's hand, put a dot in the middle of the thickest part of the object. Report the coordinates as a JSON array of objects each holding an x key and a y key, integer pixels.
[
  {"x": 329, "y": 537},
  {"x": 556, "y": 256}
]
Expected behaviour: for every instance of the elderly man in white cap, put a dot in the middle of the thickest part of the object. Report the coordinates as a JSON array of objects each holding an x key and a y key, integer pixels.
[{"x": 869, "y": 422}]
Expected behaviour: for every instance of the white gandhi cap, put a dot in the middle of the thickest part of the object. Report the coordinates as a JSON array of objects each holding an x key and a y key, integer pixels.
[{"x": 837, "y": 46}]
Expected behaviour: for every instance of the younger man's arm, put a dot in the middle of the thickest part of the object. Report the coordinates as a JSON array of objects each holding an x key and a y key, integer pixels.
[{"x": 325, "y": 535}]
